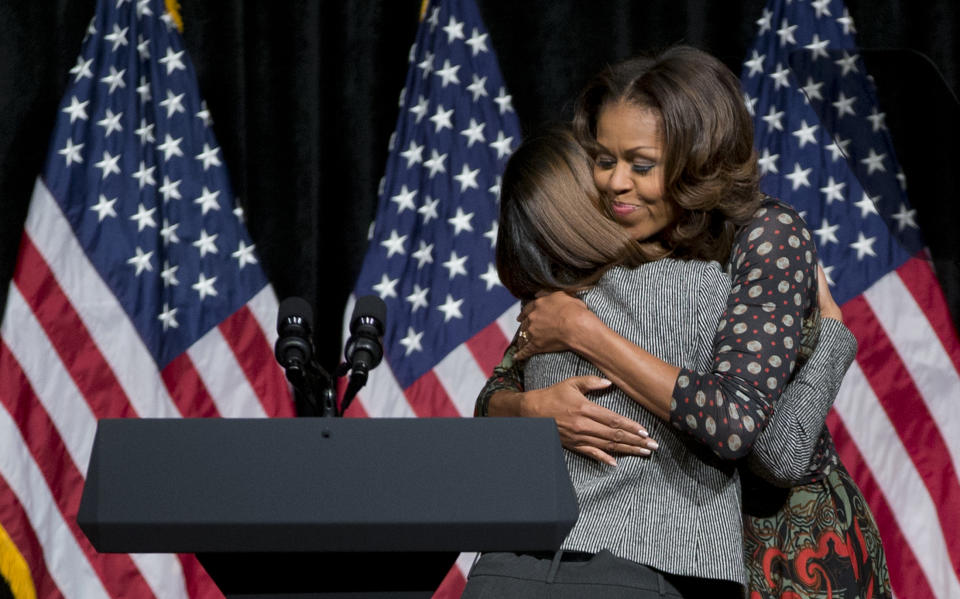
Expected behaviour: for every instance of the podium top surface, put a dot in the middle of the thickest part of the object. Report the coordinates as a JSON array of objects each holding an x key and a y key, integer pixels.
[{"x": 326, "y": 484}]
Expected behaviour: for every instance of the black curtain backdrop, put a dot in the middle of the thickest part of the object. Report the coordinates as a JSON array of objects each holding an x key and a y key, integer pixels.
[{"x": 304, "y": 94}]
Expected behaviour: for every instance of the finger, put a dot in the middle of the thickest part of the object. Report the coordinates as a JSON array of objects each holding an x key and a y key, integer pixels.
[
  {"x": 596, "y": 449},
  {"x": 531, "y": 305},
  {"x": 522, "y": 306},
  {"x": 614, "y": 423},
  {"x": 525, "y": 310},
  {"x": 586, "y": 383},
  {"x": 591, "y": 432},
  {"x": 521, "y": 333},
  {"x": 596, "y": 454},
  {"x": 617, "y": 446},
  {"x": 613, "y": 448},
  {"x": 525, "y": 350}
]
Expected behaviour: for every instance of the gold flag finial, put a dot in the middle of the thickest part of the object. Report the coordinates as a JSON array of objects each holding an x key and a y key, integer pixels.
[
  {"x": 423, "y": 8},
  {"x": 14, "y": 569},
  {"x": 173, "y": 8}
]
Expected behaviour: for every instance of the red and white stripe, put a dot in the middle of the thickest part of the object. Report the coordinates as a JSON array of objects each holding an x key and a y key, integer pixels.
[
  {"x": 70, "y": 356},
  {"x": 450, "y": 388},
  {"x": 897, "y": 426}
]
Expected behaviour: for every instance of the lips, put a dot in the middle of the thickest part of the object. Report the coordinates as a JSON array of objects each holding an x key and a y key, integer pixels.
[{"x": 622, "y": 209}]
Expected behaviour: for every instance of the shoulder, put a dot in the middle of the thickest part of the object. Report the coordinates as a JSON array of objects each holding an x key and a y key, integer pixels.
[
  {"x": 705, "y": 282},
  {"x": 774, "y": 227},
  {"x": 705, "y": 271},
  {"x": 667, "y": 270},
  {"x": 663, "y": 267},
  {"x": 773, "y": 212},
  {"x": 666, "y": 279},
  {"x": 714, "y": 276}
]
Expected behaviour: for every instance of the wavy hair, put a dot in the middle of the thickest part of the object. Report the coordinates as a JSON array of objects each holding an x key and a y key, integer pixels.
[
  {"x": 710, "y": 166},
  {"x": 551, "y": 235}
]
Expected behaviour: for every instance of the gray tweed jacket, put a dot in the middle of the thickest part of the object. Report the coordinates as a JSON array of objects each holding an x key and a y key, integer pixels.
[{"x": 679, "y": 510}]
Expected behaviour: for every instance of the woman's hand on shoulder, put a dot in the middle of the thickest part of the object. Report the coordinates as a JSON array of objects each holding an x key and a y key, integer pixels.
[
  {"x": 585, "y": 426},
  {"x": 551, "y": 322},
  {"x": 828, "y": 306}
]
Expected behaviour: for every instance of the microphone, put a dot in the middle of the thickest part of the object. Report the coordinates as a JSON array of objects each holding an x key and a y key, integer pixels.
[
  {"x": 294, "y": 351},
  {"x": 294, "y": 348},
  {"x": 364, "y": 348}
]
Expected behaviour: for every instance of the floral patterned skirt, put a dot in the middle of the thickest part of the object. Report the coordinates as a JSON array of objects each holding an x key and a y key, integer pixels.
[{"x": 812, "y": 541}]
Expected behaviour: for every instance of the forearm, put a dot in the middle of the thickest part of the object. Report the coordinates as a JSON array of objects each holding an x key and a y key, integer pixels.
[
  {"x": 505, "y": 403},
  {"x": 584, "y": 426},
  {"x": 645, "y": 378},
  {"x": 784, "y": 451},
  {"x": 503, "y": 391}
]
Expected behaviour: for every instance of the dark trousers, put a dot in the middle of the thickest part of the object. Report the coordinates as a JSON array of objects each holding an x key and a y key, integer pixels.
[{"x": 582, "y": 576}]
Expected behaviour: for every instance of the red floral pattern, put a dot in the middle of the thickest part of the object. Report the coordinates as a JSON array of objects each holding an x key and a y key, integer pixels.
[{"x": 821, "y": 543}]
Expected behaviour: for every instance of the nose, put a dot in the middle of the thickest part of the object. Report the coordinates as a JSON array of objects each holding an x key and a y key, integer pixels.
[{"x": 620, "y": 181}]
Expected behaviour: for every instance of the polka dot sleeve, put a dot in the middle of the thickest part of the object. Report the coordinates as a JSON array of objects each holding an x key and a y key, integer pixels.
[{"x": 773, "y": 285}]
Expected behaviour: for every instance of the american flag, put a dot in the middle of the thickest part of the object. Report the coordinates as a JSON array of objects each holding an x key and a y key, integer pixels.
[
  {"x": 431, "y": 253},
  {"x": 137, "y": 293},
  {"x": 824, "y": 147}
]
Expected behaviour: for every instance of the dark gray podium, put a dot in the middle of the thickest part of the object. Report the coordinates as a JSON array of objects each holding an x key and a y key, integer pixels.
[{"x": 324, "y": 507}]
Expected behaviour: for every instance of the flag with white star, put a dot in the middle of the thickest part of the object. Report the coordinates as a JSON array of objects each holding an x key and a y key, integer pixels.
[
  {"x": 431, "y": 250},
  {"x": 824, "y": 147},
  {"x": 137, "y": 293}
]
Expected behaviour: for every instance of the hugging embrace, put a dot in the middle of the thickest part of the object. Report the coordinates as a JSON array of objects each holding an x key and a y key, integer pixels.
[{"x": 676, "y": 327}]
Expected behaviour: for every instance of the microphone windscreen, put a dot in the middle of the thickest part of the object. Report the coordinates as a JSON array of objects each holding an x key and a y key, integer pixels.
[
  {"x": 372, "y": 306},
  {"x": 294, "y": 306}
]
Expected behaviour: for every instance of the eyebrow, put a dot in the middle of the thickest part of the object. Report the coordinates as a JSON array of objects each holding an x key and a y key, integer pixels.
[
  {"x": 642, "y": 150},
  {"x": 628, "y": 150}
]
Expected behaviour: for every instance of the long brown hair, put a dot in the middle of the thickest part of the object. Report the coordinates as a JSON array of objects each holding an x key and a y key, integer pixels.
[
  {"x": 551, "y": 235},
  {"x": 710, "y": 166}
]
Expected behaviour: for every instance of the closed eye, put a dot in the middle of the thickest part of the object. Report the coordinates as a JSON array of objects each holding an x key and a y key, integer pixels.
[{"x": 605, "y": 162}]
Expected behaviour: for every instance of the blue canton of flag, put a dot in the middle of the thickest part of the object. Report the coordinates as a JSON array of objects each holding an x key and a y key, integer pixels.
[
  {"x": 823, "y": 143},
  {"x": 136, "y": 293},
  {"x": 824, "y": 147},
  {"x": 431, "y": 255},
  {"x": 141, "y": 178}
]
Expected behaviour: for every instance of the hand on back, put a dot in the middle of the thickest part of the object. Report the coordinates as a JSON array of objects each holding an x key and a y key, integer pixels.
[
  {"x": 551, "y": 322},
  {"x": 828, "y": 307},
  {"x": 584, "y": 426}
]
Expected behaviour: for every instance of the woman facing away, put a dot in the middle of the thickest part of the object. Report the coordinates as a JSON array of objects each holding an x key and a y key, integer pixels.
[{"x": 671, "y": 143}]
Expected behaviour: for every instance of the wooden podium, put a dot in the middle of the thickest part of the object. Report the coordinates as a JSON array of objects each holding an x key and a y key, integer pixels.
[{"x": 326, "y": 507}]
